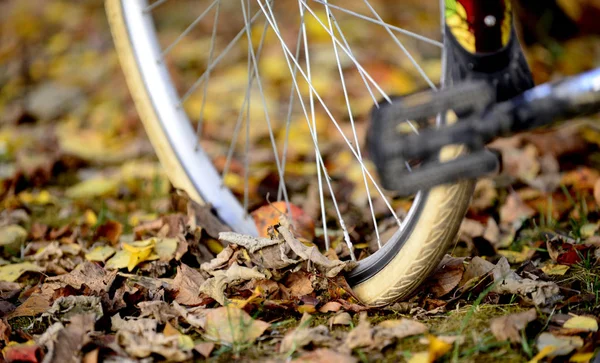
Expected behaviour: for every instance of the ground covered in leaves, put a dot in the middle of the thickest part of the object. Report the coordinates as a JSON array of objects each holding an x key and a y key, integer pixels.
[{"x": 102, "y": 261}]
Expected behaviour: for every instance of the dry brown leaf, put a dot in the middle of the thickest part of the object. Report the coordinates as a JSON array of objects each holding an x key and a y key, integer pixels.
[
  {"x": 361, "y": 336},
  {"x": 187, "y": 282},
  {"x": 509, "y": 327},
  {"x": 110, "y": 231},
  {"x": 219, "y": 261},
  {"x": 204, "y": 348},
  {"x": 508, "y": 282},
  {"x": 139, "y": 339},
  {"x": 330, "y": 306},
  {"x": 514, "y": 210},
  {"x": 447, "y": 276},
  {"x": 477, "y": 268},
  {"x": 230, "y": 325},
  {"x": 323, "y": 355},
  {"x": 299, "y": 283},
  {"x": 388, "y": 331},
  {"x": 64, "y": 343},
  {"x": 341, "y": 318},
  {"x": 331, "y": 267},
  {"x": 303, "y": 336},
  {"x": 159, "y": 310},
  {"x": 235, "y": 274}
]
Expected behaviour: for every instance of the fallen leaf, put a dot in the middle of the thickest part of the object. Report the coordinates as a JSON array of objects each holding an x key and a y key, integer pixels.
[
  {"x": 165, "y": 248},
  {"x": 23, "y": 352},
  {"x": 303, "y": 336},
  {"x": 140, "y": 339},
  {"x": 110, "y": 231},
  {"x": 509, "y": 327},
  {"x": 12, "y": 272},
  {"x": 518, "y": 256},
  {"x": 437, "y": 348},
  {"x": 330, "y": 306},
  {"x": 299, "y": 283},
  {"x": 583, "y": 323},
  {"x": 187, "y": 282},
  {"x": 508, "y": 282},
  {"x": 93, "y": 188},
  {"x": 342, "y": 318},
  {"x": 446, "y": 277},
  {"x": 268, "y": 216},
  {"x": 66, "y": 307},
  {"x": 204, "y": 348},
  {"x": 552, "y": 269},
  {"x": 582, "y": 357},
  {"x": 235, "y": 274},
  {"x": 388, "y": 331},
  {"x": 561, "y": 345},
  {"x": 229, "y": 325},
  {"x": 323, "y": 355},
  {"x": 12, "y": 238},
  {"x": 360, "y": 336},
  {"x": 100, "y": 253},
  {"x": 514, "y": 210}
]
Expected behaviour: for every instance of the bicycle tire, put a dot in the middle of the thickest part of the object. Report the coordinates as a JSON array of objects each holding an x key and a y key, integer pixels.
[{"x": 396, "y": 270}]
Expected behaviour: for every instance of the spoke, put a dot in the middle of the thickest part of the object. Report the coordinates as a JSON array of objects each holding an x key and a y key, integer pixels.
[
  {"x": 240, "y": 118},
  {"x": 362, "y": 76},
  {"x": 326, "y": 109},
  {"x": 314, "y": 124},
  {"x": 264, "y": 103},
  {"x": 210, "y": 55},
  {"x": 189, "y": 28},
  {"x": 415, "y": 130},
  {"x": 154, "y": 5},
  {"x": 406, "y": 52},
  {"x": 218, "y": 59},
  {"x": 288, "y": 119},
  {"x": 348, "y": 53},
  {"x": 351, "y": 117},
  {"x": 382, "y": 23}
]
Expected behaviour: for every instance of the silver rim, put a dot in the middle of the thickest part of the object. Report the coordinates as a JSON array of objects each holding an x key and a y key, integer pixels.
[{"x": 177, "y": 126}]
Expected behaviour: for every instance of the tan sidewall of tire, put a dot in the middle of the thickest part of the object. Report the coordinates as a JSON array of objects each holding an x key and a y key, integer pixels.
[{"x": 154, "y": 130}]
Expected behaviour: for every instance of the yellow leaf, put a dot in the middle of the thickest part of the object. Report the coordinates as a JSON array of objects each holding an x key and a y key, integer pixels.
[
  {"x": 90, "y": 217},
  {"x": 554, "y": 269},
  {"x": 214, "y": 246},
  {"x": 119, "y": 260},
  {"x": 42, "y": 198},
  {"x": 12, "y": 272},
  {"x": 309, "y": 309},
  {"x": 437, "y": 347},
  {"x": 100, "y": 253},
  {"x": 241, "y": 303},
  {"x": 139, "y": 251},
  {"x": 582, "y": 357},
  {"x": 93, "y": 188},
  {"x": 165, "y": 248},
  {"x": 582, "y": 323},
  {"x": 517, "y": 257},
  {"x": 420, "y": 357},
  {"x": 136, "y": 219},
  {"x": 543, "y": 353}
]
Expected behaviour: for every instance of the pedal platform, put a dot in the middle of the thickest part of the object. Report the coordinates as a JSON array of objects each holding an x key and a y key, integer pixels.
[{"x": 395, "y": 148}]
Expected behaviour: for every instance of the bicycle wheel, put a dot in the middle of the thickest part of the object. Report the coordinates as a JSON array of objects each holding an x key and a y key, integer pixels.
[{"x": 417, "y": 242}]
